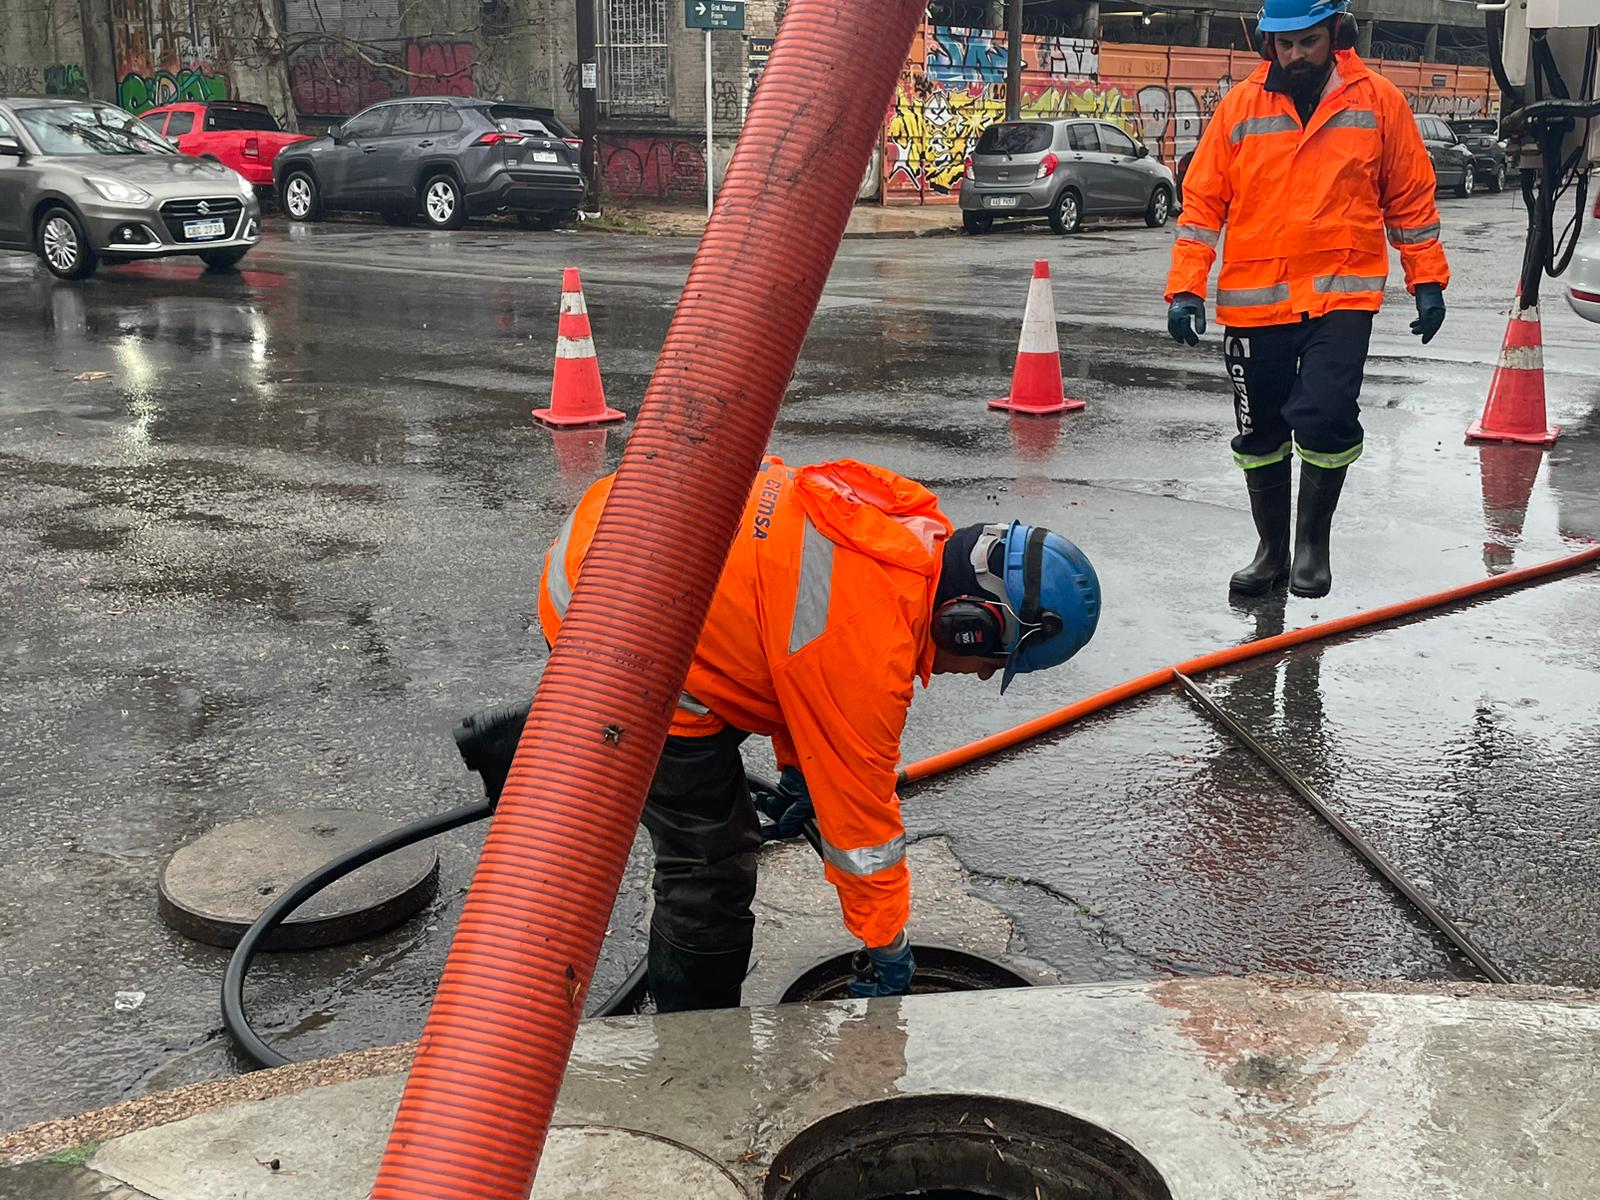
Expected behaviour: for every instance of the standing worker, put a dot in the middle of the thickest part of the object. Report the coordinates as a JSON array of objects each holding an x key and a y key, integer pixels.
[
  {"x": 845, "y": 584},
  {"x": 1309, "y": 162}
]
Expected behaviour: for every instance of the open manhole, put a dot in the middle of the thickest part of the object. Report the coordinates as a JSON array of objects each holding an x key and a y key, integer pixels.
[
  {"x": 939, "y": 969},
  {"x": 960, "y": 1148}
]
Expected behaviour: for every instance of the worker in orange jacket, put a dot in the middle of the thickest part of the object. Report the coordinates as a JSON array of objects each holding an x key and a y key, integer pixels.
[
  {"x": 845, "y": 584},
  {"x": 1309, "y": 163}
]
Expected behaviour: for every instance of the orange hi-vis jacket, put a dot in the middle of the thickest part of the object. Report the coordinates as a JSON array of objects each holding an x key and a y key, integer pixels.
[
  {"x": 1307, "y": 207},
  {"x": 817, "y": 629}
]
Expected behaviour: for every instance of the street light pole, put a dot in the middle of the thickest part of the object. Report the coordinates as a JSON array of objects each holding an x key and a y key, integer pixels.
[
  {"x": 1013, "y": 59},
  {"x": 588, "y": 110},
  {"x": 711, "y": 146}
]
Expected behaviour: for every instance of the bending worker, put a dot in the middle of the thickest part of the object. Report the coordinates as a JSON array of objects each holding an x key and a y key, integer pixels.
[
  {"x": 845, "y": 584},
  {"x": 1309, "y": 162}
]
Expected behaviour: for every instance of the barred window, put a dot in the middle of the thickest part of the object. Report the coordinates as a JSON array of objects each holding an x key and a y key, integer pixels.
[{"x": 632, "y": 47}]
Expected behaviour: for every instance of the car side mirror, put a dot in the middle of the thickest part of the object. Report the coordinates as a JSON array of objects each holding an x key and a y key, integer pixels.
[
  {"x": 11, "y": 147},
  {"x": 1141, "y": 151},
  {"x": 336, "y": 135}
]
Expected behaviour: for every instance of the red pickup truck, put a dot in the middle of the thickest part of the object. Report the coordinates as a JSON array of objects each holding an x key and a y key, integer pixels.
[{"x": 240, "y": 135}]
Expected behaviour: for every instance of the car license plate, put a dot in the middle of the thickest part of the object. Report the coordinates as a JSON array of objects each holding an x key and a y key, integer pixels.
[
  {"x": 1002, "y": 201},
  {"x": 204, "y": 229},
  {"x": 545, "y": 156}
]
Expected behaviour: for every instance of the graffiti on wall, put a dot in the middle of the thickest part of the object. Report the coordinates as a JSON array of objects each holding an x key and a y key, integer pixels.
[
  {"x": 65, "y": 79},
  {"x": 21, "y": 81},
  {"x": 663, "y": 168},
  {"x": 166, "y": 51},
  {"x": 954, "y": 87},
  {"x": 332, "y": 81}
]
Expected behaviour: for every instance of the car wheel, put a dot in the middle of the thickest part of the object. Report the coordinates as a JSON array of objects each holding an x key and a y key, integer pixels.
[
  {"x": 977, "y": 223},
  {"x": 1159, "y": 210},
  {"x": 301, "y": 198},
  {"x": 60, "y": 242},
  {"x": 223, "y": 260},
  {"x": 1066, "y": 214},
  {"x": 1497, "y": 178},
  {"x": 1464, "y": 188},
  {"x": 441, "y": 203}
]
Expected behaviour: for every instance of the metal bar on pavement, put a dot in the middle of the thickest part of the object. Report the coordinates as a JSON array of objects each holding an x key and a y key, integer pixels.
[{"x": 1360, "y": 845}]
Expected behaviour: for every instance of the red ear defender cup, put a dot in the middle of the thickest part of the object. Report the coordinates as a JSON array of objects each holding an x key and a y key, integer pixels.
[{"x": 970, "y": 625}]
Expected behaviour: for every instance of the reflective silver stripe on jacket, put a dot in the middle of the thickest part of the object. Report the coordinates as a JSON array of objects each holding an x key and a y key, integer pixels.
[
  {"x": 1197, "y": 233},
  {"x": 1410, "y": 237},
  {"x": 1253, "y": 125},
  {"x": 690, "y": 705},
  {"x": 1352, "y": 118},
  {"x": 868, "y": 860},
  {"x": 1244, "y": 297},
  {"x": 816, "y": 586},
  {"x": 1349, "y": 283},
  {"x": 556, "y": 582}
]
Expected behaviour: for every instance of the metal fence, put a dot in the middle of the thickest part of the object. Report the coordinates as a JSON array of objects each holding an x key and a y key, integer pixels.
[{"x": 632, "y": 45}]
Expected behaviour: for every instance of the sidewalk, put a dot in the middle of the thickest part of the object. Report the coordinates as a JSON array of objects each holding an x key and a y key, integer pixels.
[{"x": 866, "y": 220}]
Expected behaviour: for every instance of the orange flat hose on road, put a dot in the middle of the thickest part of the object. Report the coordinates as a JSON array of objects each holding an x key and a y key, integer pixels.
[
  {"x": 962, "y": 756},
  {"x": 479, "y": 1097}
]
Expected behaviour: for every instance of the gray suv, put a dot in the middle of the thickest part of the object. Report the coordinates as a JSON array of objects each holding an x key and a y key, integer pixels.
[
  {"x": 442, "y": 159},
  {"x": 1063, "y": 170},
  {"x": 83, "y": 183}
]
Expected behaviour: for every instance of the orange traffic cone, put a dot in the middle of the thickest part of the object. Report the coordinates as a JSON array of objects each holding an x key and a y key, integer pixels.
[
  {"x": 576, "y": 394},
  {"x": 1514, "y": 411},
  {"x": 1036, "y": 385}
]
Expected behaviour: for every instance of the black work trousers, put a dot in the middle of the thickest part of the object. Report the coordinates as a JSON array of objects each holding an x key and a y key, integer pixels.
[
  {"x": 1298, "y": 387},
  {"x": 705, "y": 831}
]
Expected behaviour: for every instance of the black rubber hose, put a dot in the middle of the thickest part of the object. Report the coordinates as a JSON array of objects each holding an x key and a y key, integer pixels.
[{"x": 234, "y": 1018}]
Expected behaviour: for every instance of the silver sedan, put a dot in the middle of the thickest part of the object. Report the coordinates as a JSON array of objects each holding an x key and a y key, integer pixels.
[{"x": 83, "y": 183}]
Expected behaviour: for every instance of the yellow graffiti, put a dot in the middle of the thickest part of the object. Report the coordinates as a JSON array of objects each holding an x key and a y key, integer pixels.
[{"x": 931, "y": 134}]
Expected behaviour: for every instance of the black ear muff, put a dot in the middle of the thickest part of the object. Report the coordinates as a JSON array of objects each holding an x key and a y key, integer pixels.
[
  {"x": 1346, "y": 32},
  {"x": 971, "y": 626},
  {"x": 1264, "y": 45}
]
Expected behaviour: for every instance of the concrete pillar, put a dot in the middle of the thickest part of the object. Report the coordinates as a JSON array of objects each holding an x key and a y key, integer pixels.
[
  {"x": 1430, "y": 44},
  {"x": 1202, "y": 32},
  {"x": 1091, "y": 19},
  {"x": 99, "y": 55},
  {"x": 1364, "y": 39}
]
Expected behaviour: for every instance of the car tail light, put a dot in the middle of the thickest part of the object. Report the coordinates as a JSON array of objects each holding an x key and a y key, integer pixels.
[
  {"x": 1047, "y": 166},
  {"x": 966, "y": 169},
  {"x": 495, "y": 139},
  {"x": 1589, "y": 297},
  {"x": 575, "y": 143},
  {"x": 252, "y": 148}
]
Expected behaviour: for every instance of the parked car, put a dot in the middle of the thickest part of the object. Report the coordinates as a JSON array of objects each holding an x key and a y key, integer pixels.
[
  {"x": 1481, "y": 136},
  {"x": 1063, "y": 170},
  {"x": 1452, "y": 161},
  {"x": 242, "y": 136},
  {"x": 1583, "y": 275},
  {"x": 83, "y": 183},
  {"x": 442, "y": 159}
]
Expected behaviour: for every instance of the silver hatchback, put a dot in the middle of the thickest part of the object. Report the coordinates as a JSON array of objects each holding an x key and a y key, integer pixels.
[
  {"x": 83, "y": 183},
  {"x": 1064, "y": 170}
]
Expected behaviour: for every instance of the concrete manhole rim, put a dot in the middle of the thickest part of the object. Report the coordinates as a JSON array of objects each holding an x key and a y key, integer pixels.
[
  {"x": 939, "y": 957},
  {"x": 410, "y": 884}
]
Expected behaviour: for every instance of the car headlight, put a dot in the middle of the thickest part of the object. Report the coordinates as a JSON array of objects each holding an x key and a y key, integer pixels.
[{"x": 118, "y": 192}]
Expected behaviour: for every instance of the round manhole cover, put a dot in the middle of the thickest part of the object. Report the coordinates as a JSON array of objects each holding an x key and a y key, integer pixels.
[
  {"x": 214, "y": 888},
  {"x": 601, "y": 1162}
]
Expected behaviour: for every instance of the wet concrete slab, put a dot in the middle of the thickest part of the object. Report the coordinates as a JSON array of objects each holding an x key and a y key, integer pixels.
[
  {"x": 1222, "y": 1087},
  {"x": 292, "y": 537}
]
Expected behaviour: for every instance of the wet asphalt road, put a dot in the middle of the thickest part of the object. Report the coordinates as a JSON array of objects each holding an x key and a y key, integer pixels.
[{"x": 270, "y": 560}]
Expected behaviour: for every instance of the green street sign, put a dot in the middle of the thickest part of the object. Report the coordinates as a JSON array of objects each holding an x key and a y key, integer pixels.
[{"x": 713, "y": 14}]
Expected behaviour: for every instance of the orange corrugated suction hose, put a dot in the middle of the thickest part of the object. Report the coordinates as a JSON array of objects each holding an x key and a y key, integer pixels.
[
  {"x": 961, "y": 756},
  {"x": 478, "y": 1100}
]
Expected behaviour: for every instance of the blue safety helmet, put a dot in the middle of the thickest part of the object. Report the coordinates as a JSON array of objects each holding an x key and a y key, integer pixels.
[
  {"x": 1287, "y": 16},
  {"x": 1055, "y": 600}
]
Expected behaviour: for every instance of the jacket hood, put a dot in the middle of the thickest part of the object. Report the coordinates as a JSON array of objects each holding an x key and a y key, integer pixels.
[{"x": 876, "y": 512}]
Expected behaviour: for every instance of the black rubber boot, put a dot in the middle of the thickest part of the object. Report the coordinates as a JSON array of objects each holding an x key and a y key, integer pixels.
[
  {"x": 488, "y": 742},
  {"x": 1269, "y": 505},
  {"x": 1312, "y": 575},
  {"x": 683, "y": 980}
]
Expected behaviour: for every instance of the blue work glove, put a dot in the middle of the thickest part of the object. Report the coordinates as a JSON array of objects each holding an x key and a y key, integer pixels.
[
  {"x": 787, "y": 808},
  {"x": 1186, "y": 318},
  {"x": 885, "y": 972},
  {"x": 1430, "y": 311}
]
